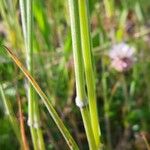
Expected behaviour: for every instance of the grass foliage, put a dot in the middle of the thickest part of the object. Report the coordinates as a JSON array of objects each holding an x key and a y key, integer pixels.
[{"x": 123, "y": 98}]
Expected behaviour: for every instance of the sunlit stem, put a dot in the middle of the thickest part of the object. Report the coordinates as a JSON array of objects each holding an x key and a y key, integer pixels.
[
  {"x": 88, "y": 66},
  {"x": 79, "y": 70}
]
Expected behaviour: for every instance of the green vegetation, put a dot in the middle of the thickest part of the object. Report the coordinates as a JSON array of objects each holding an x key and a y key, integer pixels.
[{"x": 75, "y": 74}]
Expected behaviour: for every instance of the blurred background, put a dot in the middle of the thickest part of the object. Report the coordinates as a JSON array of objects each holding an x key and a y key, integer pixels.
[{"x": 123, "y": 98}]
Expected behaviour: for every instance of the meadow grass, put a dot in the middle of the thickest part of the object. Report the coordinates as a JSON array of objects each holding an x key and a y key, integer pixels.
[{"x": 63, "y": 49}]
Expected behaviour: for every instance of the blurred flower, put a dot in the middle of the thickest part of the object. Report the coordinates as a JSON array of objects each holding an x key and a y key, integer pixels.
[{"x": 122, "y": 57}]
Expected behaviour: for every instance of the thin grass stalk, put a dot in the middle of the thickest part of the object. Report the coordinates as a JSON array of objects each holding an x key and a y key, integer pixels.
[
  {"x": 88, "y": 66},
  {"x": 79, "y": 70},
  {"x": 11, "y": 116},
  {"x": 33, "y": 109},
  {"x": 22, "y": 5},
  {"x": 37, "y": 125},
  {"x": 26, "y": 17},
  {"x": 106, "y": 106},
  {"x": 29, "y": 62},
  {"x": 126, "y": 100},
  {"x": 70, "y": 141}
]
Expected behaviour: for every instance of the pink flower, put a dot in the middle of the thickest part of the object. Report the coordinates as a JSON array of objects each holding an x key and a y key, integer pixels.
[{"x": 122, "y": 57}]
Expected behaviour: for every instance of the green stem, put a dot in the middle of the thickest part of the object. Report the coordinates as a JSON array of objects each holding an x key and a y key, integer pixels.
[
  {"x": 29, "y": 61},
  {"x": 106, "y": 106},
  {"x": 79, "y": 70},
  {"x": 89, "y": 72},
  {"x": 37, "y": 125},
  {"x": 10, "y": 113},
  {"x": 23, "y": 19},
  {"x": 126, "y": 100},
  {"x": 26, "y": 17}
]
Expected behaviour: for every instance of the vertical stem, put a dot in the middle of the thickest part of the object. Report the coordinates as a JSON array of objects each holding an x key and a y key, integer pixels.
[
  {"x": 22, "y": 5},
  {"x": 89, "y": 72},
  {"x": 126, "y": 100},
  {"x": 37, "y": 125},
  {"x": 106, "y": 107},
  {"x": 29, "y": 37},
  {"x": 26, "y": 17},
  {"x": 29, "y": 61},
  {"x": 79, "y": 70}
]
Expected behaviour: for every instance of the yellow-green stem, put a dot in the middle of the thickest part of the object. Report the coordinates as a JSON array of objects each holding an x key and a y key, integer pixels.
[
  {"x": 79, "y": 70},
  {"x": 29, "y": 62},
  {"x": 88, "y": 66}
]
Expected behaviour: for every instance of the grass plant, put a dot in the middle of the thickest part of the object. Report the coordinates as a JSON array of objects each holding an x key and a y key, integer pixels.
[{"x": 69, "y": 80}]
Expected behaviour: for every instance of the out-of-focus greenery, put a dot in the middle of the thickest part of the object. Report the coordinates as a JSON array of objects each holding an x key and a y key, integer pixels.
[{"x": 54, "y": 71}]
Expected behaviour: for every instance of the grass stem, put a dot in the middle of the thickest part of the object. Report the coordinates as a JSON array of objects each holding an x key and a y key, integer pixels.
[
  {"x": 27, "y": 23},
  {"x": 88, "y": 66},
  {"x": 79, "y": 70}
]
